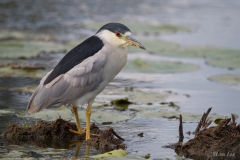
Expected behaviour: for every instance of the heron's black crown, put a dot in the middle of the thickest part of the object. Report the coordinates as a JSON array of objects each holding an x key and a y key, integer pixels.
[{"x": 113, "y": 27}]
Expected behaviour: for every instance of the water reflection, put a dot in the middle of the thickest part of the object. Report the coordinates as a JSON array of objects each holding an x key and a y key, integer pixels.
[{"x": 12, "y": 97}]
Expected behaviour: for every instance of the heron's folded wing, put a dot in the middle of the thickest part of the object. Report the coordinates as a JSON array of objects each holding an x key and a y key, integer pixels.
[{"x": 81, "y": 79}]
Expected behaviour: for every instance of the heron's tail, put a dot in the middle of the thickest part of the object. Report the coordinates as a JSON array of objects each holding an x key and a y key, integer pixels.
[
  {"x": 31, "y": 107},
  {"x": 40, "y": 99}
]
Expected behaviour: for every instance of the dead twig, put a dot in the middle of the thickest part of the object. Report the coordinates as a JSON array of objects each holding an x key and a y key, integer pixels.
[
  {"x": 204, "y": 122},
  {"x": 233, "y": 119},
  {"x": 223, "y": 124},
  {"x": 117, "y": 135},
  {"x": 181, "y": 136}
]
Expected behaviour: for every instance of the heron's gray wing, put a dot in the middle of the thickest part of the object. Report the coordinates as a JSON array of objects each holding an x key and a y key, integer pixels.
[{"x": 81, "y": 79}]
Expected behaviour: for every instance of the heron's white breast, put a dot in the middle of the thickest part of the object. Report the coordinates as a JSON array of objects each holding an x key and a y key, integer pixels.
[{"x": 116, "y": 60}]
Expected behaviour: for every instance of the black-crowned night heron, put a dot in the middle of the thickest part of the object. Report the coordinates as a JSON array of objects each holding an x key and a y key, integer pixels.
[{"x": 84, "y": 72}]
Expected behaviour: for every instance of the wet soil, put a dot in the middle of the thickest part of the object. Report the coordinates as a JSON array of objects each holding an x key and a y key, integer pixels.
[
  {"x": 56, "y": 134},
  {"x": 216, "y": 142}
]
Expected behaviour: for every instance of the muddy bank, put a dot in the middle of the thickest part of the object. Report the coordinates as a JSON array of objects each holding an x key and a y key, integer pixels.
[
  {"x": 216, "y": 142},
  {"x": 56, "y": 134}
]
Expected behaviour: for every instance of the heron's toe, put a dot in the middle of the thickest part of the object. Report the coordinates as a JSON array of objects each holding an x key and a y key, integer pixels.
[{"x": 76, "y": 132}]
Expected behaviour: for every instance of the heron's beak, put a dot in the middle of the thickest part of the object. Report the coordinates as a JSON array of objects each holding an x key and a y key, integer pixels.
[{"x": 133, "y": 42}]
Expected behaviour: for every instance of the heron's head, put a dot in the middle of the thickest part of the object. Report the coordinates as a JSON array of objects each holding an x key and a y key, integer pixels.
[{"x": 118, "y": 35}]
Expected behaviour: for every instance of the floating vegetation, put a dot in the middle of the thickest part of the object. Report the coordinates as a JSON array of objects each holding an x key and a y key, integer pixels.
[
  {"x": 232, "y": 79},
  {"x": 9, "y": 72},
  {"x": 25, "y": 49},
  {"x": 147, "y": 66},
  {"x": 112, "y": 154},
  {"x": 219, "y": 57},
  {"x": 121, "y": 104},
  {"x": 22, "y": 35},
  {"x": 98, "y": 116},
  {"x": 170, "y": 104}
]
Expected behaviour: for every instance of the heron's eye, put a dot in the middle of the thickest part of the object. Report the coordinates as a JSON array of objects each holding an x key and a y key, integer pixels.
[{"x": 118, "y": 34}]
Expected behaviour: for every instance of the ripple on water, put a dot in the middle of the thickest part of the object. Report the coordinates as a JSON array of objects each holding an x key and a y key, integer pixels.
[
  {"x": 12, "y": 82},
  {"x": 11, "y": 95}
]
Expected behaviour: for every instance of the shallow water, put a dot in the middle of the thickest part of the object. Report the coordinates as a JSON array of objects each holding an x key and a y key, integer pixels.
[{"x": 212, "y": 23}]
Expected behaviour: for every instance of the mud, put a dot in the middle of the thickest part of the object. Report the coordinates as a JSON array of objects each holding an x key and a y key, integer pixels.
[
  {"x": 56, "y": 134},
  {"x": 216, "y": 142}
]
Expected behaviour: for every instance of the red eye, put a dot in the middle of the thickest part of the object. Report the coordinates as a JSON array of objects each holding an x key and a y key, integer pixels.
[{"x": 118, "y": 34}]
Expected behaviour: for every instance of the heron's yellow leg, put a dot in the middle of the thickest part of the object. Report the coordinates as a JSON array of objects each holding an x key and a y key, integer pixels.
[
  {"x": 88, "y": 115},
  {"x": 79, "y": 128}
]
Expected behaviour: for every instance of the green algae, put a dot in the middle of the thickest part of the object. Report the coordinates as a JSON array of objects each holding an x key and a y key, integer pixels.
[
  {"x": 231, "y": 62},
  {"x": 146, "y": 66},
  {"x": 219, "y": 57},
  {"x": 112, "y": 154},
  {"x": 24, "y": 35},
  {"x": 232, "y": 79},
  {"x": 20, "y": 44},
  {"x": 7, "y": 71},
  {"x": 26, "y": 49},
  {"x": 121, "y": 104},
  {"x": 135, "y": 96},
  {"x": 145, "y": 28},
  {"x": 139, "y": 96}
]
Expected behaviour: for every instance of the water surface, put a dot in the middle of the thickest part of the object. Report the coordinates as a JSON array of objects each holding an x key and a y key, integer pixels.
[{"x": 212, "y": 23}]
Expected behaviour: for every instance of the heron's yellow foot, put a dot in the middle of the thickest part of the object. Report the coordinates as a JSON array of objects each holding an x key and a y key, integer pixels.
[
  {"x": 88, "y": 115},
  {"x": 79, "y": 128}
]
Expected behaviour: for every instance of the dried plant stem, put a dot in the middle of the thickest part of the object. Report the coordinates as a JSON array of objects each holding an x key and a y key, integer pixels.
[
  {"x": 203, "y": 121},
  {"x": 181, "y": 136}
]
